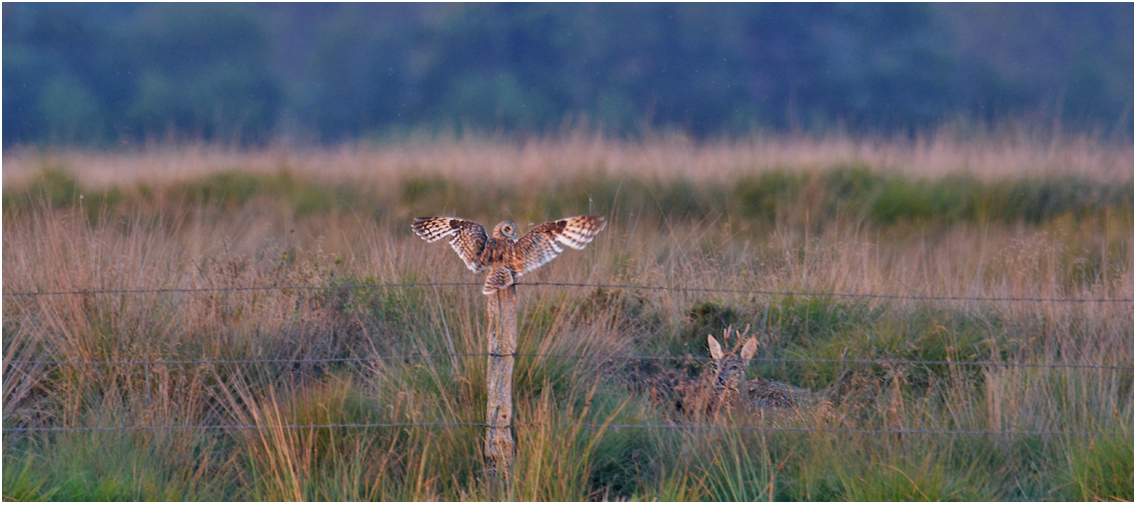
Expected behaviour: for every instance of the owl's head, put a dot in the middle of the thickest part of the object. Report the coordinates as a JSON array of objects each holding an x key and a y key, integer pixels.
[{"x": 505, "y": 229}]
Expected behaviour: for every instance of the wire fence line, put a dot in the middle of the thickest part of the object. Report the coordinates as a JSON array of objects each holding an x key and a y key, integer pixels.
[
  {"x": 600, "y": 357},
  {"x": 407, "y": 357},
  {"x": 838, "y": 295},
  {"x": 571, "y": 284},
  {"x": 333, "y": 287},
  {"x": 590, "y": 425},
  {"x": 563, "y": 284},
  {"x": 606, "y": 426},
  {"x": 181, "y": 427}
]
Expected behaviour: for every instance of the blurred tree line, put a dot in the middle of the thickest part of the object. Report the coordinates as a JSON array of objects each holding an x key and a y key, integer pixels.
[{"x": 98, "y": 74}]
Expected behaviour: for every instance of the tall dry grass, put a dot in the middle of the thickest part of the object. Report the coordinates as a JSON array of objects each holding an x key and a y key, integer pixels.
[
  {"x": 541, "y": 162},
  {"x": 263, "y": 241}
]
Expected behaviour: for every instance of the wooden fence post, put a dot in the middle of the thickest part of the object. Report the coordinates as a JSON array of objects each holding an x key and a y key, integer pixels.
[{"x": 499, "y": 451}]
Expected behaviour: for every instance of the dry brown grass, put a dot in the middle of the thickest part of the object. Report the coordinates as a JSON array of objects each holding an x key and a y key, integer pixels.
[
  {"x": 537, "y": 163},
  {"x": 264, "y": 243}
]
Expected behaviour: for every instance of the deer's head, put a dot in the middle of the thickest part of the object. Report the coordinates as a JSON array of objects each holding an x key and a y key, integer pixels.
[{"x": 730, "y": 368}]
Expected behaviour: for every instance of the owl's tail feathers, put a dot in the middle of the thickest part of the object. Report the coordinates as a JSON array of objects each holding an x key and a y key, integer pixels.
[{"x": 499, "y": 278}]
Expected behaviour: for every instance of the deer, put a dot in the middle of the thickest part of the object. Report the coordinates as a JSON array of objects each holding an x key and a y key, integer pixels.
[
  {"x": 724, "y": 384},
  {"x": 730, "y": 384}
]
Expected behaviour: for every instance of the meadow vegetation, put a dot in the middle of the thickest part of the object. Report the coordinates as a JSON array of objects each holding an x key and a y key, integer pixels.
[{"x": 1014, "y": 218}]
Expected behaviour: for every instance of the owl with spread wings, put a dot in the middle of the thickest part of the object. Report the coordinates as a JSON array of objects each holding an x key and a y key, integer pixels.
[{"x": 503, "y": 254}]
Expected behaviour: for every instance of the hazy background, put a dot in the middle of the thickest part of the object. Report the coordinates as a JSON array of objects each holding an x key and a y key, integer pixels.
[{"x": 106, "y": 74}]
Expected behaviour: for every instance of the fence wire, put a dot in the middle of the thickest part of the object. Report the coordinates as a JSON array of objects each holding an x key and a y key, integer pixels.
[
  {"x": 837, "y": 295},
  {"x": 181, "y": 427},
  {"x": 599, "y": 357},
  {"x": 693, "y": 427},
  {"x": 407, "y": 357},
  {"x": 572, "y": 284},
  {"x": 564, "y": 284}
]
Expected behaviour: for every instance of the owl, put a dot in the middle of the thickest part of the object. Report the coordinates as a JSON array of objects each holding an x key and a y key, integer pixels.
[{"x": 505, "y": 256}]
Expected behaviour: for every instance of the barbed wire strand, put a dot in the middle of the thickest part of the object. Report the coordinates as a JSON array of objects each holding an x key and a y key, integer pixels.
[
  {"x": 871, "y": 431},
  {"x": 245, "y": 361},
  {"x": 806, "y": 429},
  {"x": 571, "y": 284},
  {"x": 178, "y": 427},
  {"x": 407, "y": 357},
  {"x": 604, "y": 357},
  {"x": 835, "y": 294},
  {"x": 235, "y": 288}
]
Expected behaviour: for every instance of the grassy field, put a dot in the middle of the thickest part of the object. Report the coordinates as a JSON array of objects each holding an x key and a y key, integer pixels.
[{"x": 1006, "y": 217}]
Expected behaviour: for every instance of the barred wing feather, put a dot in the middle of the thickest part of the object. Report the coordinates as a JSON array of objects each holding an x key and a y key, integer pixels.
[
  {"x": 469, "y": 238},
  {"x": 543, "y": 243}
]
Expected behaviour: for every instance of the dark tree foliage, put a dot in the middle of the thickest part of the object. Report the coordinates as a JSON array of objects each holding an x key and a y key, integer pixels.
[{"x": 98, "y": 74}]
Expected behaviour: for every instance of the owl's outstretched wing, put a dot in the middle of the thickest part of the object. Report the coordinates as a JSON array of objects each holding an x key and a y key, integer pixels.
[
  {"x": 469, "y": 237},
  {"x": 543, "y": 243}
]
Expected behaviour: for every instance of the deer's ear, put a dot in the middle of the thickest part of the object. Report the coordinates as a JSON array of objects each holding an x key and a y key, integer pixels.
[
  {"x": 749, "y": 348},
  {"x": 716, "y": 349}
]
